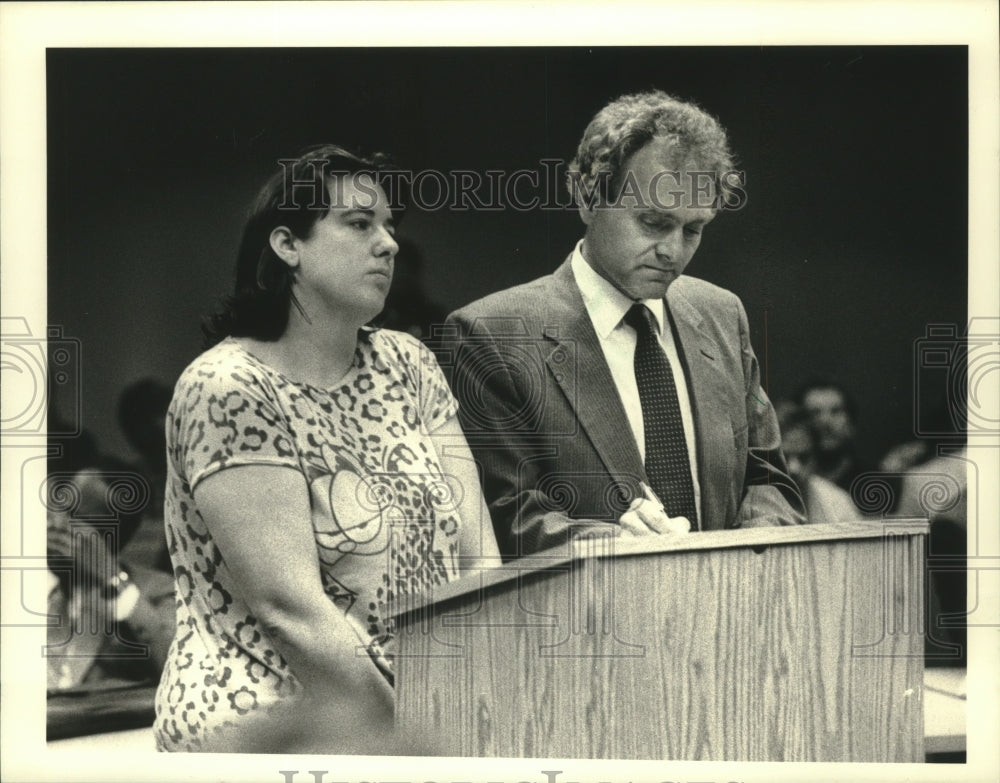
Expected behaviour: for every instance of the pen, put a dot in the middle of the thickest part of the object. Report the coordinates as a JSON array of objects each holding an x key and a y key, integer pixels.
[{"x": 650, "y": 495}]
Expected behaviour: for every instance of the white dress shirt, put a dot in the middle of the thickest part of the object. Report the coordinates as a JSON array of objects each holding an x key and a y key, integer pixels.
[{"x": 607, "y": 306}]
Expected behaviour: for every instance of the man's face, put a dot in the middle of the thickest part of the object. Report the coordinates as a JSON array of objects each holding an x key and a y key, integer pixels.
[
  {"x": 831, "y": 421},
  {"x": 645, "y": 241},
  {"x": 797, "y": 446}
]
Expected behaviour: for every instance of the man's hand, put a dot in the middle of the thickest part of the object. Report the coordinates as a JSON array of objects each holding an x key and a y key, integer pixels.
[{"x": 647, "y": 517}]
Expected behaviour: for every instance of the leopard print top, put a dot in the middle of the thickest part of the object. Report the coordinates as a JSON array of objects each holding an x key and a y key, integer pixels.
[{"x": 384, "y": 521}]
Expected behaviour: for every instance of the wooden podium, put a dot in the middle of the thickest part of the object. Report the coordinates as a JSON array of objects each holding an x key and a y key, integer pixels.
[{"x": 766, "y": 644}]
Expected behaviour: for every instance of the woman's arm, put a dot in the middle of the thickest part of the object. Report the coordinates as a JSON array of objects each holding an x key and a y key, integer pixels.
[
  {"x": 259, "y": 518},
  {"x": 477, "y": 542}
]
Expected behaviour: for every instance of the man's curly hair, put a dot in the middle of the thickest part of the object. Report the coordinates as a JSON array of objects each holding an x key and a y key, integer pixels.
[{"x": 628, "y": 123}]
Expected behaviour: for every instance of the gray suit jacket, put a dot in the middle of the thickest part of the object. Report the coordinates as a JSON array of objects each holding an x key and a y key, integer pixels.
[{"x": 549, "y": 431}]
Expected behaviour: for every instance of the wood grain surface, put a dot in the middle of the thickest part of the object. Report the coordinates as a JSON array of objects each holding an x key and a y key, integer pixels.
[
  {"x": 590, "y": 544},
  {"x": 809, "y": 651}
]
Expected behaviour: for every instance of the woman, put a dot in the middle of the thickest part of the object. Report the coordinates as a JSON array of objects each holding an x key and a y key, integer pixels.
[{"x": 316, "y": 471}]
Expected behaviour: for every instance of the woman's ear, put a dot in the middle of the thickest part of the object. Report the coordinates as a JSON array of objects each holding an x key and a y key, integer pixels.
[{"x": 284, "y": 246}]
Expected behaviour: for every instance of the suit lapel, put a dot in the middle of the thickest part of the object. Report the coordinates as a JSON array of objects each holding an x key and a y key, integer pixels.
[
  {"x": 578, "y": 366},
  {"x": 707, "y": 385}
]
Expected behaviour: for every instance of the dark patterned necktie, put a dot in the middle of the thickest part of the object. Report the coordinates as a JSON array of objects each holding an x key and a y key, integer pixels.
[{"x": 667, "y": 464}]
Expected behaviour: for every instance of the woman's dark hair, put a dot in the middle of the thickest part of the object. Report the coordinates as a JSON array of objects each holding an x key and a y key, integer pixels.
[{"x": 295, "y": 197}]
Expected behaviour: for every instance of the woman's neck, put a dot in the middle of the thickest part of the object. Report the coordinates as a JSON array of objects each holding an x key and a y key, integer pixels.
[{"x": 310, "y": 353}]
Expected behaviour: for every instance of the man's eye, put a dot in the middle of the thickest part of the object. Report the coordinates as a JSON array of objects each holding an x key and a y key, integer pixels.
[
  {"x": 693, "y": 231},
  {"x": 361, "y": 225}
]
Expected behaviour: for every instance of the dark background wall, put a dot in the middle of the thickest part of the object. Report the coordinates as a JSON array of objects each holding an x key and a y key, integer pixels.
[{"x": 853, "y": 239}]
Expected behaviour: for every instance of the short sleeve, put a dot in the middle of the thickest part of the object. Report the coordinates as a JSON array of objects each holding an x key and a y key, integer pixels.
[
  {"x": 422, "y": 376},
  {"x": 437, "y": 403},
  {"x": 224, "y": 413}
]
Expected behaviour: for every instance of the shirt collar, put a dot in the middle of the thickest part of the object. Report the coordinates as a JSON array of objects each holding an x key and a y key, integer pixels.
[{"x": 605, "y": 303}]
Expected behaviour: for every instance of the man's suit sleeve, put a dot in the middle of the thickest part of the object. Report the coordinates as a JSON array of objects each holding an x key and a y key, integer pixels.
[
  {"x": 502, "y": 419},
  {"x": 770, "y": 496}
]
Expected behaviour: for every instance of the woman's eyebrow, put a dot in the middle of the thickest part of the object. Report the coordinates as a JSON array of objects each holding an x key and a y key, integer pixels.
[{"x": 367, "y": 212}]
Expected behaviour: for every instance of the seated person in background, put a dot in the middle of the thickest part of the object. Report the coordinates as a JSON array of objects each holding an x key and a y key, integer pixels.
[
  {"x": 939, "y": 427},
  {"x": 90, "y": 583},
  {"x": 142, "y": 415},
  {"x": 834, "y": 417},
  {"x": 903, "y": 456},
  {"x": 618, "y": 378},
  {"x": 938, "y": 490},
  {"x": 142, "y": 412},
  {"x": 825, "y": 501},
  {"x": 316, "y": 471}
]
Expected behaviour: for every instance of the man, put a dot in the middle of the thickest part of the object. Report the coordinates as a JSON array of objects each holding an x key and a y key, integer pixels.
[
  {"x": 834, "y": 420},
  {"x": 824, "y": 500},
  {"x": 562, "y": 383}
]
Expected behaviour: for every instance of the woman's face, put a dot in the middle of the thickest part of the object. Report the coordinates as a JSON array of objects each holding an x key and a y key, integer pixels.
[{"x": 345, "y": 265}]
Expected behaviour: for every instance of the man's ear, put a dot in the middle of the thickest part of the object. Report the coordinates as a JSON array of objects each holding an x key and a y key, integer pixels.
[
  {"x": 586, "y": 212},
  {"x": 284, "y": 245}
]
